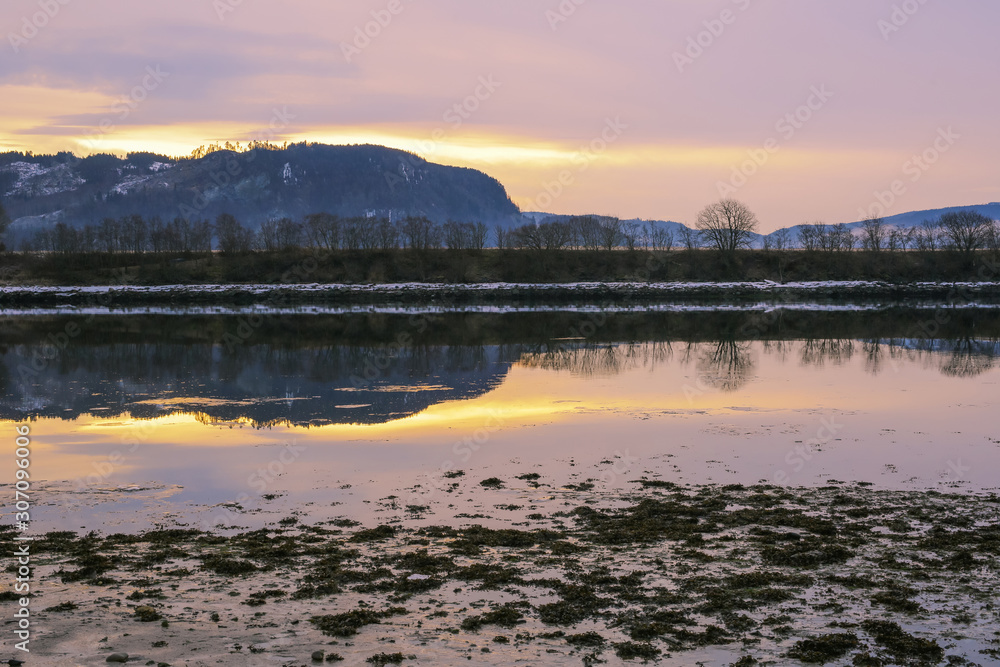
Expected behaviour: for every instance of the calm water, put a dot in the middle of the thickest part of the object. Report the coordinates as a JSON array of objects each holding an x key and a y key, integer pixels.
[{"x": 244, "y": 419}]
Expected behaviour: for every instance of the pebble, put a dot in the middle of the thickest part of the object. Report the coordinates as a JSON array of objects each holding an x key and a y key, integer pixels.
[
  {"x": 117, "y": 657},
  {"x": 318, "y": 656}
]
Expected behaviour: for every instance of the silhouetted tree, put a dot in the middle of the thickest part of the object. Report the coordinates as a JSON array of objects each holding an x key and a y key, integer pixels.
[
  {"x": 875, "y": 233},
  {"x": 324, "y": 230},
  {"x": 233, "y": 237},
  {"x": 728, "y": 225},
  {"x": 966, "y": 231}
]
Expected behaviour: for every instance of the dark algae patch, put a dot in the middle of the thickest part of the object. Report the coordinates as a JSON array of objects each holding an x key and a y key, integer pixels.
[
  {"x": 821, "y": 650},
  {"x": 901, "y": 646}
]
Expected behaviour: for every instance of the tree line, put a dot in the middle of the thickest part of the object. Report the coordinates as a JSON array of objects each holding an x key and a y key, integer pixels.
[
  {"x": 134, "y": 234},
  {"x": 726, "y": 226}
]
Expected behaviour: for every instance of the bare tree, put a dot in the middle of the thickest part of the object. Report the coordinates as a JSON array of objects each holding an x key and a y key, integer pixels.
[
  {"x": 419, "y": 233},
  {"x": 233, "y": 237},
  {"x": 824, "y": 236},
  {"x": 586, "y": 232},
  {"x": 844, "y": 238},
  {"x": 4, "y": 220},
  {"x": 926, "y": 236},
  {"x": 782, "y": 239},
  {"x": 691, "y": 238},
  {"x": 502, "y": 236},
  {"x": 728, "y": 225},
  {"x": 386, "y": 234},
  {"x": 967, "y": 231},
  {"x": 993, "y": 239},
  {"x": 324, "y": 230},
  {"x": 267, "y": 236},
  {"x": 659, "y": 236},
  {"x": 875, "y": 233},
  {"x": 630, "y": 234},
  {"x": 809, "y": 238},
  {"x": 609, "y": 232}
]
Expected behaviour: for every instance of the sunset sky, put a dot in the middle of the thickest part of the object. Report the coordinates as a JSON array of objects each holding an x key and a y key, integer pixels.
[{"x": 616, "y": 99}]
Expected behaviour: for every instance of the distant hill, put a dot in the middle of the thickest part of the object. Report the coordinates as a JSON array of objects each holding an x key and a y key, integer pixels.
[
  {"x": 39, "y": 190},
  {"x": 902, "y": 220}
]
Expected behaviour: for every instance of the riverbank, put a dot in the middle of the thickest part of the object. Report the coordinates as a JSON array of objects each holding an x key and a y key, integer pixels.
[{"x": 471, "y": 294}]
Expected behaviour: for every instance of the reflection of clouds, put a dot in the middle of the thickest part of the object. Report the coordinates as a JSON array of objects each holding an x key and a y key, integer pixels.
[{"x": 726, "y": 365}]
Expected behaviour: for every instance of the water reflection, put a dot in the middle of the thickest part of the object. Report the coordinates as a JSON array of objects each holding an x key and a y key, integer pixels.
[{"x": 353, "y": 370}]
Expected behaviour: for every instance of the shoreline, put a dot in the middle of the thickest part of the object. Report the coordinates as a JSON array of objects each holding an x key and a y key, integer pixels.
[{"x": 482, "y": 294}]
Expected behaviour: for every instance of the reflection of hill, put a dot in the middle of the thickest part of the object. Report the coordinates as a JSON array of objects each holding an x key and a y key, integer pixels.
[
  {"x": 262, "y": 384},
  {"x": 312, "y": 370}
]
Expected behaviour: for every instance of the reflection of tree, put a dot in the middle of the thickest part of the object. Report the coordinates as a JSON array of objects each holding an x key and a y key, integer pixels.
[
  {"x": 726, "y": 365},
  {"x": 969, "y": 358},
  {"x": 816, "y": 352},
  {"x": 590, "y": 360},
  {"x": 875, "y": 356}
]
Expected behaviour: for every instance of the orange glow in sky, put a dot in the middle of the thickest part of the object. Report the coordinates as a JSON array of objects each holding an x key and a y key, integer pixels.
[{"x": 610, "y": 100}]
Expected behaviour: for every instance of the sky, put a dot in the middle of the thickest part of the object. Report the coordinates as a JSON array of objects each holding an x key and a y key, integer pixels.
[{"x": 807, "y": 110}]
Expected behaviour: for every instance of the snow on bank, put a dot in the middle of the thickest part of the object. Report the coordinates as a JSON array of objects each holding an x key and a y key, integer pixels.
[{"x": 764, "y": 287}]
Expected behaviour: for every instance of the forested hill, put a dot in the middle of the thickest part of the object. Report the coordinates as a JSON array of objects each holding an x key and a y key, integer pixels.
[{"x": 256, "y": 185}]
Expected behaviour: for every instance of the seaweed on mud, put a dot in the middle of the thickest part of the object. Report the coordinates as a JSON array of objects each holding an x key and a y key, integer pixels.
[
  {"x": 377, "y": 534},
  {"x": 649, "y": 521},
  {"x": 824, "y": 649},
  {"x": 852, "y": 581},
  {"x": 470, "y": 540},
  {"x": 92, "y": 566},
  {"x": 634, "y": 651},
  {"x": 146, "y": 614},
  {"x": 586, "y": 639},
  {"x": 386, "y": 659},
  {"x": 655, "y": 484},
  {"x": 578, "y": 603},
  {"x": 61, "y": 607},
  {"x": 224, "y": 565},
  {"x": 898, "y": 600},
  {"x": 504, "y": 616},
  {"x": 902, "y": 646},
  {"x": 152, "y": 594},
  {"x": 712, "y": 635},
  {"x": 260, "y": 598},
  {"x": 647, "y": 626},
  {"x": 348, "y": 623},
  {"x": 492, "y": 483},
  {"x": 808, "y": 552},
  {"x": 491, "y": 577},
  {"x": 419, "y": 562}
]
